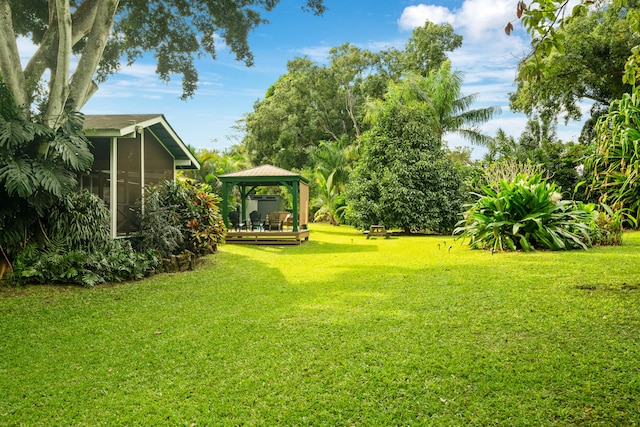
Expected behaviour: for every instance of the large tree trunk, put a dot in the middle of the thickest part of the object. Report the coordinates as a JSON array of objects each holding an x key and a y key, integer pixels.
[
  {"x": 59, "y": 88},
  {"x": 92, "y": 19},
  {"x": 10, "y": 66}
]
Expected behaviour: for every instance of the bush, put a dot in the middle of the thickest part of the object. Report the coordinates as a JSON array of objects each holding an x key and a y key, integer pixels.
[
  {"x": 78, "y": 248},
  {"x": 180, "y": 216},
  {"x": 606, "y": 225},
  {"x": 58, "y": 265},
  {"x": 80, "y": 220},
  {"x": 526, "y": 214},
  {"x": 159, "y": 224}
]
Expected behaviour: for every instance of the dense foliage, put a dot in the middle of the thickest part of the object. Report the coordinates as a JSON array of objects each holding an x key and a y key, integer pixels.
[
  {"x": 589, "y": 66},
  {"x": 179, "y": 216},
  {"x": 615, "y": 166},
  {"x": 38, "y": 166},
  {"x": 536, "y": 150},
  {"x": 403, "y": 178},
  {"x": 313, "y": 102},
  {"x": 527, "y": 213},
  {"x": 100, "y": 34},
  {"x": 77, "y": 248}
]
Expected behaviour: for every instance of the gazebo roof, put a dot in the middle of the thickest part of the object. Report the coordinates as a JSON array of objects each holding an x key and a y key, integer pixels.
[{"x": 265, "y": 174}]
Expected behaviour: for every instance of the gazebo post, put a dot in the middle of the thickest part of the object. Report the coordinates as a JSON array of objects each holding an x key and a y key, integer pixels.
[
  {"x": 296, "y": 205},
  {"x": 225, "y": 204},
  {"x": 243, "y": 196}
]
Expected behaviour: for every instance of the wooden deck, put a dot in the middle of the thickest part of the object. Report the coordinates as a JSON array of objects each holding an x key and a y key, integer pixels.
[{"x": 267, "y": 237}]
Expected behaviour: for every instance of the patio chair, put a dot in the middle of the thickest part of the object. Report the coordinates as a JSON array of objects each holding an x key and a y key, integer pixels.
[
  {"x": 234, "y": 219},
  {"x": 256, "y": 222},
  {"x": 273, "y": 221}
]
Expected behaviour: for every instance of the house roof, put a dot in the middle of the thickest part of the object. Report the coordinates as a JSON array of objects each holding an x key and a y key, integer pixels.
[{"x": 126, "y": 125}]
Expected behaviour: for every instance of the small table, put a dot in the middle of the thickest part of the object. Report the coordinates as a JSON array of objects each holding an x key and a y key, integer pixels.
[{"x": 378, "y": 230}]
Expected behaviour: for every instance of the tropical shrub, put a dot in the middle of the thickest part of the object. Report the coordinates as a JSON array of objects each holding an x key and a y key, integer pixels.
[
  {"x": 329, "y": 202},
  {"x": 403, "y": 178},
  {"x": 38, "y": 165},
  {"x": 77, "y": 248},
  {"x": 57, "y": 264},
  {"x": 526, "y": 213},
  {"x": 607, "y": 225},
  {"x": 205, "y": 229},
  {"x": 81, "y": 221},
  {"x": 159, "y": 224},
  {"x": 615, "y": 166},
  {"x": 179, "y": 216}
]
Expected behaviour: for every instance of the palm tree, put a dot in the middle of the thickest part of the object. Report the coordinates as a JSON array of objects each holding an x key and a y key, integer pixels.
[
  {"x": 327, "y": 198},
  {"x": 502, "y": 146},
  {"x": 449, "y": 110},
  {"x": 331, "y": 163}
]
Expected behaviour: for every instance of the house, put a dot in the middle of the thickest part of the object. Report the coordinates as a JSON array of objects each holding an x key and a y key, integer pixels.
[{"x": 130, "y": 152}]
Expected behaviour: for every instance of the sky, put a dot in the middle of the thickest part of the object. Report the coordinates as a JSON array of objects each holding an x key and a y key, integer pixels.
[{"x": 228, "y": 89}]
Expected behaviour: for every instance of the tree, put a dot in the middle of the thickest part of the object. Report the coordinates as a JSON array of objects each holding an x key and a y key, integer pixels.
[
  {"x": 449, "y": 110},
  {"x": 312, "y": 102},
  {"x": 295, "y": 114},
  {"x": 403, "y": 178},
  {"x": 546, "y": 19},
  {"x": 213, "y": 164},
  {"x": 537, "y": 150},
  {"x": 590, "y": 65},
  {"x": 426, "y": 49},
  {"x": 330, "y": 176},
  {"x": 37, "y": 167},
  {"x": 102, "y": 32},
  {"x": 502, "y": 146}
]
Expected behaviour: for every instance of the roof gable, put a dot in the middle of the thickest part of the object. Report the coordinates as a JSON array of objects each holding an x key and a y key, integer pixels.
[{"x": 126, "y": 125}]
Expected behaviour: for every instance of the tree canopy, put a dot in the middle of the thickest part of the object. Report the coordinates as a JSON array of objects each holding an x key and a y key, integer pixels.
[
  {"x": 102, "y": 33},
  {"x": 545, "y": 21},
  {"x": 588, "y": 65},
  {"x": 313, "y": 102}
]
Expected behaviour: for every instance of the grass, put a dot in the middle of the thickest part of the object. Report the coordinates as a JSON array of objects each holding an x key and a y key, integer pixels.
[{"x": 339, "y": 331}]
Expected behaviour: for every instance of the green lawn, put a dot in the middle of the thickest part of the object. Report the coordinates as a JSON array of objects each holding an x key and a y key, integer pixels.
[{"x": 338, "y": 331}]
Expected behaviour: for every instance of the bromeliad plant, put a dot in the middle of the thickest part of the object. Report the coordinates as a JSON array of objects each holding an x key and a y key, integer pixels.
[{"x": 526, "y": 213}]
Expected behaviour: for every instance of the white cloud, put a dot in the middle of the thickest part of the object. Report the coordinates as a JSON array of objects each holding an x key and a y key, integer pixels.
[
  {"x": 317, "y": 54},
  {"x": 415, "y": 16},
  {"x": 480, "y": 20},
  {"x": 139, "y": 70}
]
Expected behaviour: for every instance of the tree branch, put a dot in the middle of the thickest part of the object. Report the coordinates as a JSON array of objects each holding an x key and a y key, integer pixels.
[
  {"x": 10, "y": 67},
  {"x": 81, "y": 82},
  {"x": 58, "y": 87},
  {"x": 45, "y": 56}
]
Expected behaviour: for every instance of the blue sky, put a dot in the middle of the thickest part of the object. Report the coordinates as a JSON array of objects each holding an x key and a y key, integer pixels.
[{"x": 228, "y": 89}]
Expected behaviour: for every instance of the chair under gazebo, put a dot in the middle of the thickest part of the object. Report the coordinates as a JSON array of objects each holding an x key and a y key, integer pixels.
[{"x": 267, "y": 176}]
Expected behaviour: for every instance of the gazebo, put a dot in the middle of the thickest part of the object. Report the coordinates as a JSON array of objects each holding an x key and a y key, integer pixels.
[{"x": 267, "y": 176}]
